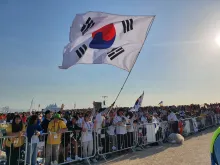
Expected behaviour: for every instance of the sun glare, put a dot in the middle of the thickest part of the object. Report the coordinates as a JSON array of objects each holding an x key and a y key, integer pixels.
[{"x": 218, "y": 40}]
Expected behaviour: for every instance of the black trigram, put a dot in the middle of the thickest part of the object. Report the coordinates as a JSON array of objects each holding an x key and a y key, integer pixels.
[
  {"x": 89, "y": 23},
  {"x": 81, "y": 51},
  {"x": 115, "y": 52},
  {"x": 127, "y": 25}
]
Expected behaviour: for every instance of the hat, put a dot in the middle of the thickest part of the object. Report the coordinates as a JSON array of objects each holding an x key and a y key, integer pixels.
[
  {"x": 47, "y": 112},
  {"x": 56, "y": 116}
]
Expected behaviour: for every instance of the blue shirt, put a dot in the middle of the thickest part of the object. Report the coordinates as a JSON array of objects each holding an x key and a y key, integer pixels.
[{"x": 31, "y": 130}]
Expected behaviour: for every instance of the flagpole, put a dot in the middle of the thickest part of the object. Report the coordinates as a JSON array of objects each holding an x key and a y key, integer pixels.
[{"x": 134, "y": 61}]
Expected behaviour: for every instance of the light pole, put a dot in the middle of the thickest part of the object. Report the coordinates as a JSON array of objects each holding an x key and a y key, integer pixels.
[{"x": 104, "y": 102}]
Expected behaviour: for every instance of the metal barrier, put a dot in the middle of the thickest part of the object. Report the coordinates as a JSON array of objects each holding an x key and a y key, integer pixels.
[
  {"x": 13, "y": 149},
  {"x": 70, "y": 148},
  {"x": 189, "y": 125},
  {"x": 149, "y": 133},
  {"x": 109, "y": 142}
]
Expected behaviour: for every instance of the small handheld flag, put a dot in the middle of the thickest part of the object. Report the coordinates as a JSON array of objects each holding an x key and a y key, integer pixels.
[
  {"x": 138, "y": 102},
  {"x": 160, "y": 103}
]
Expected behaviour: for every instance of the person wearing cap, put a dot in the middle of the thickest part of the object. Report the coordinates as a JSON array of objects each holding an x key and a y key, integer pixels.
[{"x": 55, "y": 129}]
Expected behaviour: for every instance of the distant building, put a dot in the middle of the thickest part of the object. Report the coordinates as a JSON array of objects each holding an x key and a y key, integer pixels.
[{"x": 52, "y": 107}]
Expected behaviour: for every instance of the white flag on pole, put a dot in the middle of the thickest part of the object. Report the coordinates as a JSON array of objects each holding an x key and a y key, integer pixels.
[
  {"x": 138, "y": 103},
  {"x": 31, "y": 107},
  {"x": 101, "y": 38}
]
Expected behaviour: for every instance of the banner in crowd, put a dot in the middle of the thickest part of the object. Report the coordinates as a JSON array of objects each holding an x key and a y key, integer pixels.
[
  {"x": 102, "y": 38},
  {"x": 97, "y": 105},
  {"x": 195, "y": 125},
  {"x": 138, "y": 103}
]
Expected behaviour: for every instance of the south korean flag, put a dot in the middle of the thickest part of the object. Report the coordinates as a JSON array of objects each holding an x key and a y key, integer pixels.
[{"x": 101, "y": 38}]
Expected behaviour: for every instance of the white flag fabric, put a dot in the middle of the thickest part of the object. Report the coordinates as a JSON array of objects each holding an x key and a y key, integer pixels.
[
  {"x": 138, "y": 103},
  {"x": 102, "y": 38},
  {"x": 31, "y": 107}
]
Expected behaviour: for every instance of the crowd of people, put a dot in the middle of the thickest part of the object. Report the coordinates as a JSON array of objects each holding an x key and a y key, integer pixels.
[{"x": 81, "y": 127}]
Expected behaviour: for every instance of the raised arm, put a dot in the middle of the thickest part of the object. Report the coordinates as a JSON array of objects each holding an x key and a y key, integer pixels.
[{"x": 107, "y": 110}]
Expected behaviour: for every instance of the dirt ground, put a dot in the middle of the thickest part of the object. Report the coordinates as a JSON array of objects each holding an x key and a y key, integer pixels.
[{"x": 194, "y": 151}]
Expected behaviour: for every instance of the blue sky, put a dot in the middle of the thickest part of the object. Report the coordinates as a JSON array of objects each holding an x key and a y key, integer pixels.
[{"x": 179, "y": 63}]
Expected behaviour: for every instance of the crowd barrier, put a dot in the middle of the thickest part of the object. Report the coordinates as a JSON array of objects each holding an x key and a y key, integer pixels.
[
  {"x": 13, "y": 150},
  {"x": 109, "y": 142},
  {"x": 70, "y": 150},
  {"x": 104, "y": 142}
]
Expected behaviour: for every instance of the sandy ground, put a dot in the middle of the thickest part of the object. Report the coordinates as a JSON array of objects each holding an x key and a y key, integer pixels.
[{"x": 194, "y": 151}]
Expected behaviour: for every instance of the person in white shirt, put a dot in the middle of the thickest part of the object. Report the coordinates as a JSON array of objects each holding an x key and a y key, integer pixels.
[
  {"x": 172, "y": 116},
  {"x": 99, "y": 120},
  {"x": 111, "y": 131},
  {"x": 80, "y": 120},
  {"x": 172, "y": 119},
  {"x": 144, "y": 122},
  {"x": 155, "y": 118},
  {"x": 130, "y": 128},
  {"x": 158, "y": 130},
  {"x": 121, "y": 131},
  {"x": 87, "y": 138}
]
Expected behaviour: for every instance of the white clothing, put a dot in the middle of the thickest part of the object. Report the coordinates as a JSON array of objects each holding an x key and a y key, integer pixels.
[
  {"x": 130, "y": 128},
  {"x": 64, "y": 120},
  {"x": 172, "y": 117},
  {"x": 155, "y": 120},
  {"x": 79, "y": 122},
  {"x": 120, "y": 129},
  {"x": 144, "y": 120},
  {"x": 99, "y": 119},
  {"x": 111, "y": 130},
  {"x": 87, "y": 148},
  {"x": 87, "y": 136},
  {"x": 34, "y": 139}
]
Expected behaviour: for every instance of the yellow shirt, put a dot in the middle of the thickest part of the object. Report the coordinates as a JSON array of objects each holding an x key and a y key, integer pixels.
[
  {"x": 53, "y": 127},
  {"x": 16, "y": 141}
]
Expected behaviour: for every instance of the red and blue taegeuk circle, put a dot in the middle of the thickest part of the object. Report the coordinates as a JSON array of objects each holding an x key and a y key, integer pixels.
[{"x": 103, "y": 38}]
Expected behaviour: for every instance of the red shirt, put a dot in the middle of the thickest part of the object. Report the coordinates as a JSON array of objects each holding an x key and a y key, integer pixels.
[{"x": 24, "y": 119}]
